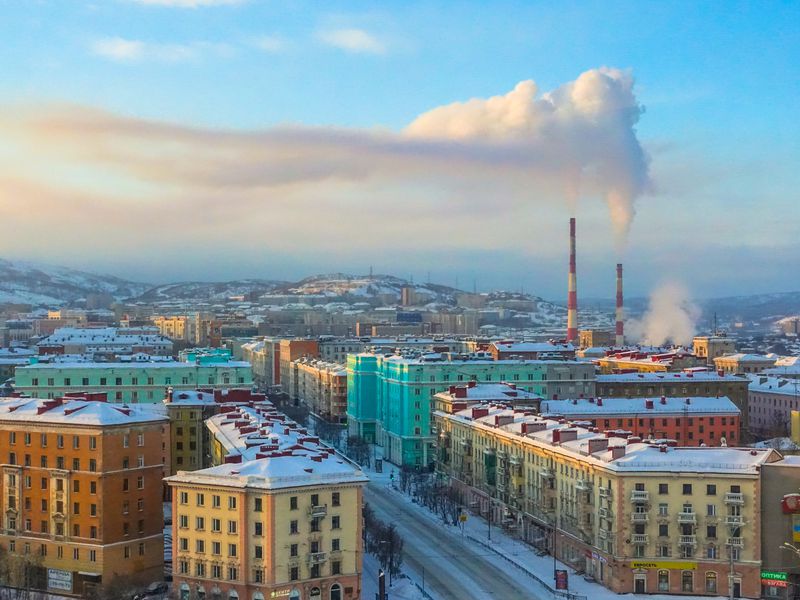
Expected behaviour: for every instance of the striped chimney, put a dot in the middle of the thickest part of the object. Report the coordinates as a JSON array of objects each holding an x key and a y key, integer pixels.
[
  {"x": 572, "y": 289},
  {"x": 620, "y": 341}
]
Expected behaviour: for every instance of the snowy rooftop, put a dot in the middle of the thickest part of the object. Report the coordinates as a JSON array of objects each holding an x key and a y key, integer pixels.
[
  {"x": 740, "y": 357},
  {"x": 155, "y": 364},
  {"x": 533, "y": 347},
  {"x": 683, "y": 376},
  {"x": 322, "y": 365},
  {"x": 103, "y": 335},
  {"x": 774, "y": 385},
  {"x": 298, "y": 468},
  {"x": 78, "y": 411},
  {"x": 210, "y": 397},
  {"x": 611, "y": 450},
  {"x": 661, "y": 406},
  {"x": 488, "y": 392}
]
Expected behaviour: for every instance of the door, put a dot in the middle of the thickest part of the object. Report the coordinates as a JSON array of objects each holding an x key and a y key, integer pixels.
[
  {"x": 737, "y": 589},
  {"x": 640, "y": 584}
]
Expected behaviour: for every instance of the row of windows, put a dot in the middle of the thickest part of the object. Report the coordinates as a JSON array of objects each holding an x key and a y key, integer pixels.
[
  {"x": 232, "y": 573},
  {"x": 61, "y": 462},
  {"x": 104, "y": 381},
  {"x": 687, "y": 489},
  {"x": 76, "y": 440}
]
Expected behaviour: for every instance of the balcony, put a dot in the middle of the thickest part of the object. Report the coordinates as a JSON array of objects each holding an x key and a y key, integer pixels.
[
  {"x": 316, "y": 558},
  {"x": 734, "y": 520},
  {"x": 547, "y": 472},
  {"x": 736, "y": 498},
  {"x": 318, "y": 511},
  {"x": 603, "y": 534},
  {"x": 639, "y": 517},
  {"x": 687, "y": 517},
  {"x": 639, "y": 538},
  {"x": 736, "y": 542},
  {"x": 640, "y": 496},
  {"x": 583, "y": 485},
  {"x": 605, "y": 493},
  {"x": 604, "y": 513},
  {"x": 687, "y": 540}
]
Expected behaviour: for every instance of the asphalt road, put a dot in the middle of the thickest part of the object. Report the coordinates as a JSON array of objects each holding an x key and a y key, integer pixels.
[{"x": 453, "y": 569}]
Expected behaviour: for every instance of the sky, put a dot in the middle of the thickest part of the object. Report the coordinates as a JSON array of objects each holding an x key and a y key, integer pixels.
[{"x": 165, "y": 140}]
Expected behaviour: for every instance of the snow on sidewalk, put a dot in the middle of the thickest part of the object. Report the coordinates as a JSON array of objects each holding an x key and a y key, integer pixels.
[{"x": 509, "y": 554}]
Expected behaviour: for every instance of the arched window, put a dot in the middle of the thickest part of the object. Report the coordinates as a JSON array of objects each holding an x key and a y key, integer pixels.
[
  {"x": 258, "y": 596},
  {"x": 336, "y": 592},
  {"x": 316, "y": 594},
  {"x": 663, "y": 580},
  {"x": 185, "y": 591},
  {"x": 295, "y": 595},
  {"x": 233, "y": 595},
  {"x": 687, "y": 581},
  {"x": 711, "y": 582}
]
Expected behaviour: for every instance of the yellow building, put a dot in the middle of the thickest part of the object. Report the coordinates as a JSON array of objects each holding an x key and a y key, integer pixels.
[
  {"x": 285, "y": 525},
  {"x": 744, "y": 364},
  {"x": 637, "y": 517},
  {"x": 709, "y": 347}
]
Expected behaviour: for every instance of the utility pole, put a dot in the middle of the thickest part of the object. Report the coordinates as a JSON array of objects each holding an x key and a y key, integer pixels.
[{"x": 381, "y": 585}]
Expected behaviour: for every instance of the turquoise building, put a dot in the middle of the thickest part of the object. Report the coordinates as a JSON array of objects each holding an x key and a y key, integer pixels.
[
  {"x": 144, "y": 382},
  {"x": 389, "y": 397}
]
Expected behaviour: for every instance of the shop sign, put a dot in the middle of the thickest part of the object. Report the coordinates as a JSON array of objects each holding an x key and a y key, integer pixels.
[
  {"x": 280, "y": 593},
  {"x": 59, "y": 580},
  {"x": 776, "y": 575},
  {"x": 664, "y": 564},
  {"x": 562, "y": 580},
  {"x": 774, "y": 583}
]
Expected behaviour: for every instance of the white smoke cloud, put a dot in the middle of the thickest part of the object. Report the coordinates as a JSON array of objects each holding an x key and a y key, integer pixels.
[
  {"x": 582, "y": 133},
  {"x": 670, "y": 318}
]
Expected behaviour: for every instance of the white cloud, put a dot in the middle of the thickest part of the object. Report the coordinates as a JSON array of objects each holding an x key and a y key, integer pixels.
[
  {"x": 188, "y": 3},
  {"x": 269, "y": 43},
  {"x": 353, "y": 40},
  {"x": 126, "y": 50}
]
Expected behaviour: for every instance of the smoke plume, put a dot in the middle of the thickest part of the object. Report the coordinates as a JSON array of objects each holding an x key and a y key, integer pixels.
[{"x": 670, "y": 318}]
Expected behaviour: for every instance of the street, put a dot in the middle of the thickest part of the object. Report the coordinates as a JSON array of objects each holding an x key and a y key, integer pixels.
[{"x": 451, "y": 569}]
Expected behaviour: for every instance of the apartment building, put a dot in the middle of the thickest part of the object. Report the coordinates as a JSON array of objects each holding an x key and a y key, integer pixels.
[
  {"x": 81, "y": 491},
  {"x": 683, "y": 384},
  {"x": 190, "y": 447},
  {"x": 264, "y": 356},
  {"x": 459, "y": 397},
  {"x": 531, "y": 351},
  {"x": 132, "y": 382},
  {"x": 693, "y": 421},
  {"x": 320, "y": 385},
  {"x": 642, "y": 361},
  {"x": 771, "y": 402},
  {"x": 638, "y": 518},
  {"x": 279, "y": 516},
  {"x": 389, "y": 397},
  {"x": 709, "y": 347},
  {"x": 290, "y": 351},
  {"x": 744, "y": 364},
  {"x": 109, "y": 341}
]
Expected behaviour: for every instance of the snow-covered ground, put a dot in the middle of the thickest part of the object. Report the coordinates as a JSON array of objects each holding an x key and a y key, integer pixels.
[{"x": 505, "y": 553}]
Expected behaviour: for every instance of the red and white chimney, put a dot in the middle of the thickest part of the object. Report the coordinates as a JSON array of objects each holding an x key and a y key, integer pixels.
[
  {"x": 572, "y": 289},
  {"x": 620, "y": 339}
]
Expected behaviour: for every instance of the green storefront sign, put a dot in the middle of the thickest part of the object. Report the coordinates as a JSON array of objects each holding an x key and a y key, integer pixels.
[{"x": 773, "y": 575}]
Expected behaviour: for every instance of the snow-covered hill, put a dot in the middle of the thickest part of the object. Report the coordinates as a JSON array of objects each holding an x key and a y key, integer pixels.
[
  {"x": 209, "y": 291},
  {"x": 365, "y": 286},
  {"x": 23, "y": 282}
]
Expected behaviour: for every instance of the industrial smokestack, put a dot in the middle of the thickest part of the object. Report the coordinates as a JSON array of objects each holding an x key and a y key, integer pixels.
[
  {"x": 620, "y": 341},
  {"x": 572, "y": 289}
]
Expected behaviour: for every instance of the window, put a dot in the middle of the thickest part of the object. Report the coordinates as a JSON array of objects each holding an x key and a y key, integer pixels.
[
  {"x": 293, "y": 503},
  {"x": 215, "y": 501},
  {"x": 231, "y": 549},
  {"x": 199, "y": 523},
  {"x": 92, "y": 465},
  {"x": 140, "y": 482},
  {"x": 336, "y": 499},
  {"x": 335, "y": 544},
  {"x": 92, "y": 555},
  {"x": 216, "y": 548},
  {"x": 711, "y": 532},
  {"x": 293, "y": 550},
  {"x": 335, "y": 522},
  {"x": 336, "y": 567},
  {"x": 232, "y": 573},
  {"x": 140, "y": 439},
  {"x": 259, "y": 529},
  {"x": 294, "y": 573},
  {"x": 293, "y": 527},
  {"x": 711, "y": 552},
  {"x": 184, "y": 498},
  {"x": 711, "y": 490},
  {"x": 711, "y": 510},
  {"x": 663, "y": 510},
  {"x": 687, "y": 491},
  {"x": 216, "y": 525},
  {"x": 231, "y": 526},
  {"x": 711, "y": 583},
  {"x": 216, "y": 572},
  {"x": 231, "y": 502},
  {"x": 126, "y": 440},
  {"x": 259, "y": 552},
  {"x": 200, "y": 546},
  {"x": 663, "y": 581},
  {"x": 258, "y": 505},
  {"x": 687, "y": 581},
  {"x": 200, "y": 499},
  {"x": 663, "y": 530},
  {"x": 183, "y": 521},
  {"x": 76, "y": 442}
]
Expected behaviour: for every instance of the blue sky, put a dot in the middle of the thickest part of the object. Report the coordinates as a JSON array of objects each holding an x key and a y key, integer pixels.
[{"x": 719, "y": 82}]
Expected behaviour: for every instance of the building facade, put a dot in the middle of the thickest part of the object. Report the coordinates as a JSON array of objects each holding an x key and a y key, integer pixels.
[
  {"x": 82, "y": 491},
  {"x": 638, "y": 518},
  {"x": 390, "y": 397},
  {"x": 771, "y": 402},
  {"x": 132, "y": 382},
  {"x": 709, "y": 347},
  {"x": 744, "y": 364},
  {"x": 322, "y": 386}
]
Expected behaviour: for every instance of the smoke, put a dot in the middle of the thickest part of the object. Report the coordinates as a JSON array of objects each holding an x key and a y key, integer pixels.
[
  {"x": 670, "y": 317},
  {"x": 583, "y": 133}
]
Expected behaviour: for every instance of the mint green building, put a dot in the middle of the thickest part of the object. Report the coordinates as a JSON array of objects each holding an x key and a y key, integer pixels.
[
  {"x": 389, "y": 397},
  {"x": 144, "y": 382}
]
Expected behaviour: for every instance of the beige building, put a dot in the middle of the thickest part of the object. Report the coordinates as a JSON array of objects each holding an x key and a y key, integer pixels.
[
  {"x": 320, "y": 385},
  {"x": 176, "y": 327},
  {"x": 596, "y": 338},
  {"x": 709, "y": 347},
  {"x": 278, "y": 517},
  {"x": 638, "y": 518},
  {"x": 744, "y": 364}
]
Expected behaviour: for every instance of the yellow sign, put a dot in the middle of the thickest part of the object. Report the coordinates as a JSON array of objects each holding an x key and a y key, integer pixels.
[
  {"x": 664, "y": 564},
  {"x": 796, "y": 528}
]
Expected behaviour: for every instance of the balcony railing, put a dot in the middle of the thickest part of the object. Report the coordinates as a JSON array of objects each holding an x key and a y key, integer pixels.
[
  {"x": 736, "y": 542},
  {"x": 687, "y": 540},
  {"x": 736, "y": 520},
  {"x": 547, "y": 473},
  {"x": 583, "y": 485},
  {"x": 605, "y": 493},
  {"x": 639, "y": 538},
  {"x": 316, "y": 558},
  {"x": 687, "y": 517},
  {"x": 734, "y": 498},
  {"x": 640, "y": 496},
  {"x": 318, "y": 511},
  {"x": 639, "y": 517}
]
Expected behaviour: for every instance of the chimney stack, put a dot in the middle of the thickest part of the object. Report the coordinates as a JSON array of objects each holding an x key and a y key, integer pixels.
[
  {"x": 620, "y": 341},
  {"x": 572, "y": 289}
]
